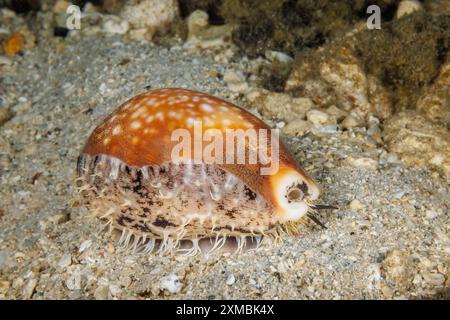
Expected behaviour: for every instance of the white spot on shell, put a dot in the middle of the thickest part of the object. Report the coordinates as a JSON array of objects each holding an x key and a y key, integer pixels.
[
  {"x": 116, "y": 130},
  {"x": 159, "y": 115},
  {"x": 206, "y": 107},
  {"x": 106, "y": 141},
  {"x": 190, "y": 121},
  {"x": 135, "y": 125}
]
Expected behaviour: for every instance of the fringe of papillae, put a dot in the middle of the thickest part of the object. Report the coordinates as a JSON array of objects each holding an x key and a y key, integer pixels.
[
  {"x": 177, "y": 244},
  {"x": 130, "y": 241},
  {"x": 139, "y": 244},
  {"x": 169, "y": 243}
]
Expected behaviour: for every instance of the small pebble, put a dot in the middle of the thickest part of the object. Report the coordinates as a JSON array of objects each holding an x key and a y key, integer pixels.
[
  {"x": 116, "y": 27},
  {"x": 399, "y": 195},
  {"x": 297, "y": 127},
  {"x": 65, "y": 261},
  {"x": 110, "y": 248},
  {"x": 363, "y": 163},
  {"x": 59, "y": 218},
  {"x": 74, "y": 281},
  {"x": 171, "y": 283},
  {"x": 352, "y": 121},
  {"x": 5, "y": 115},
  {"x": 29, "y": 288},
  {"x": 5, "y": 61},
  {"x": 235, "y": 81},
  {"x": 355, "y": 205},
  {"x": 276, "y": 56},
  {"x": 431, "y": 214},
  {"x": 231, "y": 280},
  {"x": 4, "y": 286},
  {"x": 406, "y": 7},
  {"x": 434, "y": 279},
  {"x": 101, "y": 293},
  {"x": 85, "y": 245},
  {"x": 317, "y": 117}
]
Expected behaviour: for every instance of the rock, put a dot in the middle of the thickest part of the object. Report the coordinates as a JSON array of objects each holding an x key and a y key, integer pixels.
[
  {"x": 333, "y": 75},
  {"x": 418, "y": 141},
  {"x": 5, "y": 61},
  {"x": 65, "y": 261},
  {"x": 276, "y": 56},
  {"x": 17, "y": 283},
  {"x": 325, "y": 129},
  {"x": 74, "y": 280},
  {"x": 101, "y": 293},
  {"x": 5, "y": 115},
  {"x": 171, "y": 283},
  {"x": 317, "y": 117},
  {"x": 397, "y": 268},
  {"x": 353, "y": 120},
  {"x": 14, "y": 44},
  {"x": 110, "y": 248},
  {"x": 202, "y": 35},
  {"x": 386, "y": 290},
  {"x": 406, "y": 7},
  {"x": 231, "y": 280},
  {"x": 4, "y": 286},
  {"x": 85, "y": 245},
  {"x": 153, "y": 15},
  {"x": 380, "y": 98},
  {"x": 375, "y": 133},
  {"x": 114, "y": 290},
  {"x": 91, "y": 8},
  {"x": 28, "y": 289},
  {"x": 355, "y": 205},
  {"x": 297, "y": 127},
  {"x": 279, "y": 105},
  {"x": 433, "y": 279},
  {"x": 435, "y": 102},
  {"x": 235, "y": 81},
  {"x": 60, "y": 6},
  {"x": 59, "y": 218},
  {"x": 372, "y": 121},
  {"x": 367, "y": 163},
  {"x": 431, "y": 214},
  {"x": 7, "y": 14},
  {"x": 112, "y": 6},
  {"x": 349, "y": 82},
  {"x": 116, "y": 27},
  {"x": 140, "y": 34},
  {"x": 336, "y": 113}
]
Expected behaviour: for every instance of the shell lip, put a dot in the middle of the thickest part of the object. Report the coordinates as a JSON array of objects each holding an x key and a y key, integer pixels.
[{"x": 285, "y": 180}]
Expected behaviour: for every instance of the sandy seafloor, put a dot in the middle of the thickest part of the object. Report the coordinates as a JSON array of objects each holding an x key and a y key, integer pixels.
[{"x": 392, "y": 244}]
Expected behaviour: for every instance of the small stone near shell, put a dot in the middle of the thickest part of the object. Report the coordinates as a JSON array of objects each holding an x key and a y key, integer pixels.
[{"x": 171, "y": 283}]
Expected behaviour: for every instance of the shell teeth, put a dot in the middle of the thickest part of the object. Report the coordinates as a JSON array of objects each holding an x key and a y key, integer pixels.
[
  {"x": 215, "y": 196},
  {"x": 168, "y": 195},
  {"x": 127, "y": 203},
  {"x": 155, "y": 184},
  {"x": 107, "y": 213}
]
